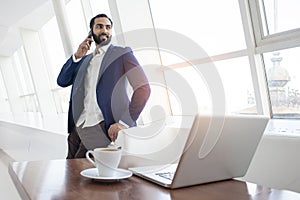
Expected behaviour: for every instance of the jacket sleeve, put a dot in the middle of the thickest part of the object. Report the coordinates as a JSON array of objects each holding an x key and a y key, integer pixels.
[
  {"x": 68, "y": 73},
  {"x": 140, "y": 85}
]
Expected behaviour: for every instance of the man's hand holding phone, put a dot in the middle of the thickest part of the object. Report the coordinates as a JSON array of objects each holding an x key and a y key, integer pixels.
[{"x": 84, "y": 47}]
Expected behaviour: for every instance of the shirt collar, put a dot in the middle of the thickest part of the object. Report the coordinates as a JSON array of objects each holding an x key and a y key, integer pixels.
[{"x": 103, "y": 48}]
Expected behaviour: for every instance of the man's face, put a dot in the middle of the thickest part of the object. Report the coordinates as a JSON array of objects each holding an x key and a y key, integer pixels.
[{"x": 102, "y": 30}]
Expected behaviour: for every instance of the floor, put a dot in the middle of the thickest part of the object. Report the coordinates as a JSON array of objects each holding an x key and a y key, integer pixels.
[{"x": 7, "y": 187}]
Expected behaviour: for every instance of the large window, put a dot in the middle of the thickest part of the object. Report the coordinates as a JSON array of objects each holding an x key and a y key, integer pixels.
[
  {"x": 215, "y": 25},
  {"x": 283, "y": 72},
  {"x": 55, "y": 58},
  {"x": 23, "y": 74},
  {"x": 277, "y": 41},
  {"x": 277, "y": 31},
  {"x": 53, "y": 51},
  {"x": 5, "y": 108},
  {"x": 3, "y": 93},
  {"x": 213, "y": 33},
  {"x": 24, "y": 81}
]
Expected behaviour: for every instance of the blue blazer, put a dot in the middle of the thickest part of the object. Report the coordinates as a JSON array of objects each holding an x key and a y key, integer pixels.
[{"x": 118, "y": 68}]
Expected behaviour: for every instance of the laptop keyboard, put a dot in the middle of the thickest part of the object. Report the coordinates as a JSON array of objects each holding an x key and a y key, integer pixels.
[{"x": 167, "y": 175}]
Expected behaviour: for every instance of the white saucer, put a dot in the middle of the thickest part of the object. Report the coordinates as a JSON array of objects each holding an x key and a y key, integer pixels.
[{"x": 92, "y": 173}]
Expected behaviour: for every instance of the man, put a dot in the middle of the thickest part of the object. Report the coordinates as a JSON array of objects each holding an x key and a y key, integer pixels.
[{"x": 99, "y": 104}]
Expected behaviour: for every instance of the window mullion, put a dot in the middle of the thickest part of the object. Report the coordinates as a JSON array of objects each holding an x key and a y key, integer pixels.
[
  {"x": 252, "y": 30},
  {"x": 256, "y": 20}
]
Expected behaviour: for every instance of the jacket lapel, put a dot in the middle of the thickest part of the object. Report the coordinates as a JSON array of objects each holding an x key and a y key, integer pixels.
[
  {"x": 106, "y": 61},
  {"x": 82, "y": 72}
]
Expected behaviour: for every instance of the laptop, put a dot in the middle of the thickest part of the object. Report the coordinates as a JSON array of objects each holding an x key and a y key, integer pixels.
[{"x": 217, "y": 148}]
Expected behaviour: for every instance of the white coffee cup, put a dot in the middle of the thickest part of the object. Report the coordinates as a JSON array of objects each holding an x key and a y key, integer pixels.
[{"x": 106, "y": 160}]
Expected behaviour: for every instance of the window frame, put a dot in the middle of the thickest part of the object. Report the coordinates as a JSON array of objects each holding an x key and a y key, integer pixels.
[{"x": 271, "y": 42}]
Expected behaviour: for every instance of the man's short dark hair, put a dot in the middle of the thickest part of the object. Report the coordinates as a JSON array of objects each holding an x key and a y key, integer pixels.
[{"x": 98, "y": 16}]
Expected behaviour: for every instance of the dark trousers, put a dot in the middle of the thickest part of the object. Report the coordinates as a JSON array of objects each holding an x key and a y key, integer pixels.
[{"x": 76, "y": 148}]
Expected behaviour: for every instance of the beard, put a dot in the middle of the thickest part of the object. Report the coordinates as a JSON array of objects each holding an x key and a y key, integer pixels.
[{"x": 101, "y": 42}]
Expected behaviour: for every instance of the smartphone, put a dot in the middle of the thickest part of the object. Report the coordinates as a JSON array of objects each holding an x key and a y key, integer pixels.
[{"x": 90, "y": 36}]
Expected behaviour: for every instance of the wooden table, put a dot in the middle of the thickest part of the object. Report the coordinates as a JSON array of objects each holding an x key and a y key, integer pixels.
[{"x": 61, "y": 179}]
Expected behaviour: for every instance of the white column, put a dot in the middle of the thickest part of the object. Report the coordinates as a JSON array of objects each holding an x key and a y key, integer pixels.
[
  {"x": 63, "y": 25},
  {"x": 117, "y": 22},
  {"x": 38, "y": 71},
  {"x": 87, "y": 11}
]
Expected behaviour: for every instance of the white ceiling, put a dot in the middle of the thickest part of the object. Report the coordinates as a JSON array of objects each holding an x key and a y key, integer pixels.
[{"x": 16, "y": 14}]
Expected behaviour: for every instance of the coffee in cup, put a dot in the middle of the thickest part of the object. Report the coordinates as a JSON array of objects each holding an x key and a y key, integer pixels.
[{"x": 106, "y": 160}]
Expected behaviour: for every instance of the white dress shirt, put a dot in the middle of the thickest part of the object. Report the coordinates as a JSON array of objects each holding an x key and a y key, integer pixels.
[{"x": 91, "y": 114}]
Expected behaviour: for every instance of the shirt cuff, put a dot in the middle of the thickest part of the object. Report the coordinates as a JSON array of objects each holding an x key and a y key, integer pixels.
[
  {"x": 74, "y": 59},
  {"x": 123, "y": 123}
]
